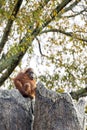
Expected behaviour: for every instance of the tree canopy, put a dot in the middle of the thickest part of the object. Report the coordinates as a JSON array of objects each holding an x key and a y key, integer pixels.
[{"x": 53, "y": 33}]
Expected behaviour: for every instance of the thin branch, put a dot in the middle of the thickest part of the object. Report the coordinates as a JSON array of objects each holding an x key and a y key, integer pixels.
[
  {"x": 76, "y": 14},
  {"x": 40, "y": 48},
  {"x": 72, "y": 6},
  {"x": 69, "y": 8},
  {"x": 9, "y": 24},
  {"x": 70, "y": 34}
]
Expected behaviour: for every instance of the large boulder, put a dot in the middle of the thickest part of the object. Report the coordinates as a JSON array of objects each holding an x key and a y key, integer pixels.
[
  {"x": 15, "y": 111},
  {"x": 54, "y": 111}
]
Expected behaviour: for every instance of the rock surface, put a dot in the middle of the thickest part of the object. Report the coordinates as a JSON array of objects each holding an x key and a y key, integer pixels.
[
  {"x": 15, "y": 111},
  {"x": 54, "y": 111}
]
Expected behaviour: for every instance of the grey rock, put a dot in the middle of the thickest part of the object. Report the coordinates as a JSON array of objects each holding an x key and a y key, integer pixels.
[
  {"x": 15, "y": 111},
  {"x": 54, "y": 111},
  {"x": 80, "y": 108}
]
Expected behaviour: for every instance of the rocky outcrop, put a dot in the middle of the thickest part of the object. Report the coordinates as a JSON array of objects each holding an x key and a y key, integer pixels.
[
  {"x": 15, "y": 111},
  {"x": 54, "y": 111}
]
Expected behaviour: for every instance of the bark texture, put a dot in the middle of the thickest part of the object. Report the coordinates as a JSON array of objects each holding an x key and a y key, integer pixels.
[
  {"x": 54, "y": 111},
  {"x": 15, "y": 111}
]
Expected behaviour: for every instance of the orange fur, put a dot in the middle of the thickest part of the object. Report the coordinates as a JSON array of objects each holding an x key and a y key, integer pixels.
[{"x": 25, "y": 84}]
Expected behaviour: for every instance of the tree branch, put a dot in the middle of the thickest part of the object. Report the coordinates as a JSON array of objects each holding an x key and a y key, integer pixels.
[
  {"x": 15, "y": 52},
  {"x": 76, "y": 14},
  {"x": 40, "y": 48},
  {"x": 11, "y": 66},
  {"x": 52, "y": 16},
  {"x": 25, "y": 43},
  {"x": 3, "y": 64},
  {"x": 70, "y": 34},
  {"x": 69, "y": 8},
  {"x": 9, "y": 24},
  {"x": 72, "y": 5},
  {"x": 57, "y": 10}
]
